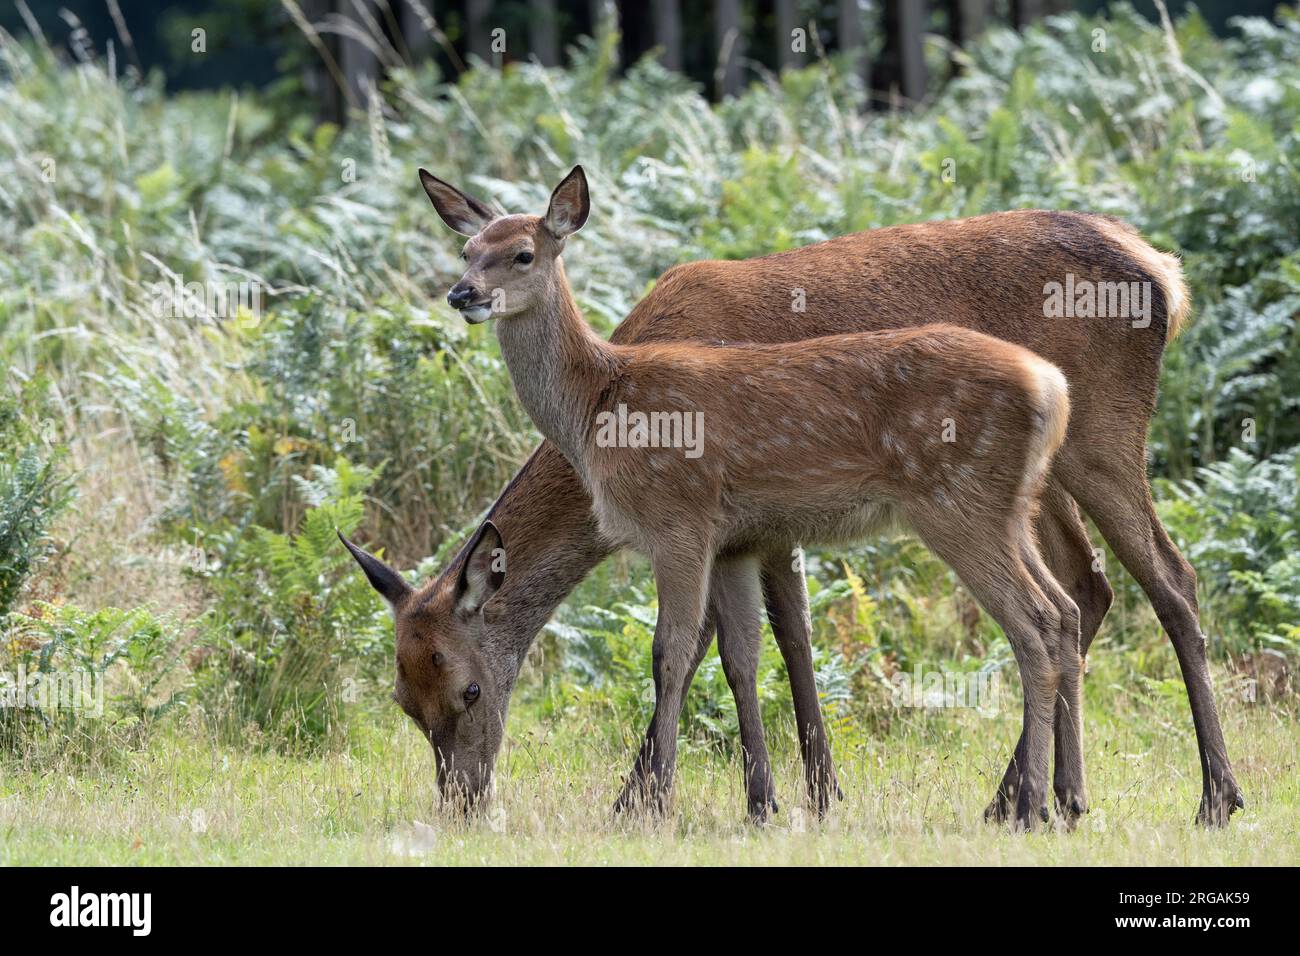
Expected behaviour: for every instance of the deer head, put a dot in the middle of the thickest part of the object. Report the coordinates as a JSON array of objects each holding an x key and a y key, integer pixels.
[
  {"x": 448, "y": 680},
  {"x": 511, "y": 262}
]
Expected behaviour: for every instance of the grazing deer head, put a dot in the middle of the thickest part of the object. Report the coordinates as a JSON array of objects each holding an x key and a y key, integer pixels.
[{"x": 448, "y": 680}]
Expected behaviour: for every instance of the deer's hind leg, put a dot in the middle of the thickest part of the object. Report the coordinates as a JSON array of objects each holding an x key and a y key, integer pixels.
[
  {"x": 1067, "y": 724},
  {"x": 1067, "y": 551},
  {"x": 1114, "y": 491},
  {"x": 989, "y": 558}
]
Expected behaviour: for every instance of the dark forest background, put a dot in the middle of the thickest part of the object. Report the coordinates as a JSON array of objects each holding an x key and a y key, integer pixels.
[{"x": 257, "y": 43}]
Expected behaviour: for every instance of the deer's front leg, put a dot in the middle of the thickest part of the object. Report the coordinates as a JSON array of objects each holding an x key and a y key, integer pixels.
[
  {"x": 639, "y": 785},
  {"x": 681, "y": 580}
]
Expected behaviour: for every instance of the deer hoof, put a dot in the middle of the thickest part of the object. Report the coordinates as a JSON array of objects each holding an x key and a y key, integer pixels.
[
  {"x": 999, "y": 810},
  {"x": 1219, "y": 804},
  {"x": 762, "y": 809}
]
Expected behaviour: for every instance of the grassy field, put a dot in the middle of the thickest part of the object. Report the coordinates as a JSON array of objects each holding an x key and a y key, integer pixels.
[{"x": 914, "y": 796}]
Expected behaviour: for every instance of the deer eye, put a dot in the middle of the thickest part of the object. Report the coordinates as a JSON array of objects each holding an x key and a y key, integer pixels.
[
  {"x": 463, "y": 257},
  {"x": 523, "y": 258},
  {"x": 471, "y": 693}
]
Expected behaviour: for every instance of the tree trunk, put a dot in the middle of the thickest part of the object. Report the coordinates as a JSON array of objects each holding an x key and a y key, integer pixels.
[
  {"x": 358, "y": 61},
  {"x": 731, "y": 46},
  {"x": 317, "y": 80},
  {"x": 901, "y": 70},
  {"x": 478, "y": 28},
  {"x": 668, "y": 32},
  {"x": 1025, "y": 12},
  {"x": 911, "y": 24},
  {"x": 851, "y": 38},
  {"x": 787, "y": 19},
  {"x": 418, "y": 40},
  {"x": 973, "y": 15},
  {"x": 544, "y": 32}
]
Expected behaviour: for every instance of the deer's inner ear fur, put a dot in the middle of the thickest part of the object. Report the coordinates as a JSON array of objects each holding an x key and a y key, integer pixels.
[
  {"x": 382, "y": 578},
  {"x": 464, "y": 214},
  {"x": 570, "y": 205},
  {"x": 484, "y": 570}
]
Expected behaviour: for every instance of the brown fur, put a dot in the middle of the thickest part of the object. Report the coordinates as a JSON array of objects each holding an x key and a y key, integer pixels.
[{"x": 986, "y": 273}]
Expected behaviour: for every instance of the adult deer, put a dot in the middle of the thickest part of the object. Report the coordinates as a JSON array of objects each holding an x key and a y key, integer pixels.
[{"x": 988, "y": 273}]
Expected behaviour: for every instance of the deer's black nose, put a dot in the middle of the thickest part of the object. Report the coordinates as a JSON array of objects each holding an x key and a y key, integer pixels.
[{"x": 461, "y": 295}]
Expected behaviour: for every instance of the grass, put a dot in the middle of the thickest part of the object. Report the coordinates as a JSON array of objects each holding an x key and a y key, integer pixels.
[{"x": 912, "y": 796}]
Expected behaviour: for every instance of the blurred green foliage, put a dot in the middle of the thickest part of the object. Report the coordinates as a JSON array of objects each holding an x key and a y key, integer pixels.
[{"x": 34, "y": 488}]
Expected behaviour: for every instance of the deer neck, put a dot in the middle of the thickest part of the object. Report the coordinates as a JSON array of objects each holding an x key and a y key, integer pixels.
[
  {"x": 547, "y": 561},
  {"x": 559, "y": 367}
]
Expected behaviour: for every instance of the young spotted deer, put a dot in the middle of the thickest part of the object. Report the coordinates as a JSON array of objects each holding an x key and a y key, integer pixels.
[{"x": 822, "y": 442}]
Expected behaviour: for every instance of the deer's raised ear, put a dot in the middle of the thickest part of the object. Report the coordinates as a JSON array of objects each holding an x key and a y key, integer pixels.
[
  {"x": 465, "y": 214},
  {"x": 382, "y": 578},
  {"x": 570, "y": 204},
  {"x": 484, "y": 570}
]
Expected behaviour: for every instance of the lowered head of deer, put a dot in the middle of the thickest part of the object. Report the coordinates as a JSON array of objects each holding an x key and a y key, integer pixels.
[
  {"x": 512, "y": 263},
  {"x": 449, "y": 680}
]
